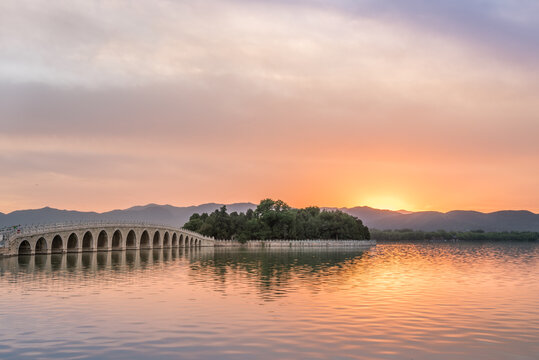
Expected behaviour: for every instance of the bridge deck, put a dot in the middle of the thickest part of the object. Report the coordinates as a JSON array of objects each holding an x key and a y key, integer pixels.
[{"x": 80, "y": 237}]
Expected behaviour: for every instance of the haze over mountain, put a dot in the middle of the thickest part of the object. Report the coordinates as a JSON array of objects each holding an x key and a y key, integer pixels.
[
  {"x": 374, "y": 218},
  {"x": 458, "y": 220}
]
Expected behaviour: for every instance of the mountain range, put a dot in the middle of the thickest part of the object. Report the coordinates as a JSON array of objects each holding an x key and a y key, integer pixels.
[{"x": 507, "y": 220}]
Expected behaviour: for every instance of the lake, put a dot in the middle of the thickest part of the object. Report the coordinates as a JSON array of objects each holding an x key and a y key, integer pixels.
[{"x": 405, "y": 301}]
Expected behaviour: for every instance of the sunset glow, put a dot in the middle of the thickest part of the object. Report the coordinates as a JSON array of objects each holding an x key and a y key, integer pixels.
[
  {"x": 387, "y": 203},
  {"x": 427, "y": 106}
]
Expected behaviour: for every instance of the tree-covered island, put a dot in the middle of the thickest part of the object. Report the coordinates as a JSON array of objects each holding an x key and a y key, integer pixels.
[{"x": 274, "y": 219}]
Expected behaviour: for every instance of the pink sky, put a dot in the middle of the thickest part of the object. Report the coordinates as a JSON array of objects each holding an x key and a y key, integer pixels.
[{"x": 106, "y": 105}]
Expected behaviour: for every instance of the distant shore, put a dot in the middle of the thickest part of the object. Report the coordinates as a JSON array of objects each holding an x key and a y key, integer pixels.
[{"x": 444, "y": 236}]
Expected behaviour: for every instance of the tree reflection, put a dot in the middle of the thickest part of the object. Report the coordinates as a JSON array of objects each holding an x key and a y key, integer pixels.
[{"x": 273, "y": 270}]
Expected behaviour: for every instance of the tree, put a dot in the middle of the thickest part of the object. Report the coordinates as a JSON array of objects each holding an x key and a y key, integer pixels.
[{"x": 275, "y": 219}]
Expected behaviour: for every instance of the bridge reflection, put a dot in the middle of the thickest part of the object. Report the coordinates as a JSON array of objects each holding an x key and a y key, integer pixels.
[{"x": 118, "y": 260}]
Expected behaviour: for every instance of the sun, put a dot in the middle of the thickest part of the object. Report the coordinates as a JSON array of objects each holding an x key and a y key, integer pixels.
[{"x": 386, "y": 202}]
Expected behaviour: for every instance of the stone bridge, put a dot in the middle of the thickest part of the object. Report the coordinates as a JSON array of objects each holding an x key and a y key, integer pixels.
[{"x": 81, "y": 237}]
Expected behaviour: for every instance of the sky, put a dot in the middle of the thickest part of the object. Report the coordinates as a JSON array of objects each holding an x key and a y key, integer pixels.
[{"x": 417, "y": 104}]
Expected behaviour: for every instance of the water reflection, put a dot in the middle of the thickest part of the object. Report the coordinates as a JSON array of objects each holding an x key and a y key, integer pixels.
[
  {"x": 395, "y": 302},
  {"x": 94, "y": 261},
  {"x": 270, "y": 269}
]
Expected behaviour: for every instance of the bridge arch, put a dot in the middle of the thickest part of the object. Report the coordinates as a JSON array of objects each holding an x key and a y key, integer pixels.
[
  {"x": 145, "y": 240},
  {"x": 72, "y": 242},
  {"x": 102, "y": 240},
  {"x": 166, "y": 240},
  {"x": 57, "y": 245},
  {"x": 117, "y": 240},
  {"x": 156, "y": 239},
  {"x": 131, "y": 241},
  {"x": 88, "y": 241},
  {"x": 102, "y": 237},
  {"x": 41, "y": 246},
  {"x": 24, "y": 248}
]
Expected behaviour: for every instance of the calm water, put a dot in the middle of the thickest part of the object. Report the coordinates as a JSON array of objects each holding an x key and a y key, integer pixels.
[{"x": 438, "y": 301}]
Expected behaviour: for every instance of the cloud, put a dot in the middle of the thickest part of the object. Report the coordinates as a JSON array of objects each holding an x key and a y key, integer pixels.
[
  {"x": 126, "y": 43},
  {"x": 502, "y": 28},
  {"x": 265, "y": 90}
]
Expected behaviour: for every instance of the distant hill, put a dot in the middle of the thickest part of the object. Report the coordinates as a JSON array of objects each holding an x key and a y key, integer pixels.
[
  {"x": 374, "y": 218},
  {"x": 153, "y": 213},
  {"x": 454, "y": 220}
]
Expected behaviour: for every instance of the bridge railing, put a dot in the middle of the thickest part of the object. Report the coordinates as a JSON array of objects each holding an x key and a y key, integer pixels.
[{"x": 32, "y": 229}]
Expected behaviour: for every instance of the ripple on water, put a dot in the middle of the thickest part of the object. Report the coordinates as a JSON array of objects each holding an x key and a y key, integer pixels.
[{"x": 420, "y": 301}]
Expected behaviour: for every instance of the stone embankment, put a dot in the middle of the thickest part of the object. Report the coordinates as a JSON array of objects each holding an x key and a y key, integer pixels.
[{"x": 296, "y": 243}]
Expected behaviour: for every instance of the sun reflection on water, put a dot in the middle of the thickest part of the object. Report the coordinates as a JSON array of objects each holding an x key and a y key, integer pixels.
[{"x": 425, "y": 301}]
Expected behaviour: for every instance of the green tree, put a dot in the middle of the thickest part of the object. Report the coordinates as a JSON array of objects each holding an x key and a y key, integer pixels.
[{"x": 275, "y": 219}]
